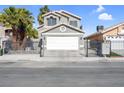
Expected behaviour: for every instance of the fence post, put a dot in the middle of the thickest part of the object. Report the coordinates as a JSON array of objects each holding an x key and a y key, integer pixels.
[
  {"x": 43, "y": 46},
  {"x": 40, "y": 52},
  {"x": 40, "y": 44},
  {"x": 110, "y": 48},
  {"x": 86, "y": 47}
]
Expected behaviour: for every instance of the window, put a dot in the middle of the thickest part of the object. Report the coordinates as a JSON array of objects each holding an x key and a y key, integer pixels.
[
  {"x": 73, "y": 23},
  {"x": 51, "y": 21}
]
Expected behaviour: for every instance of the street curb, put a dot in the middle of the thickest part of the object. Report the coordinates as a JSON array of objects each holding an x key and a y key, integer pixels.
[
  {"x": 36, "y": 58},
  {"x": 69, "y": 61}
]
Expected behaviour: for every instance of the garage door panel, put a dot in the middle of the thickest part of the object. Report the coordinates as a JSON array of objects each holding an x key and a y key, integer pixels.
[{"x": 62, "y": 43}]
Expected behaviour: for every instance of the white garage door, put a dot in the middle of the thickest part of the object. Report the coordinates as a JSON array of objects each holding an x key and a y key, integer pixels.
[{"x": 62, "y": 43}]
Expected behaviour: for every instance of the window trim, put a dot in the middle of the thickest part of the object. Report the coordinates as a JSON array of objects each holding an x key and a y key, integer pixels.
[{"x": 51, "y": 21}]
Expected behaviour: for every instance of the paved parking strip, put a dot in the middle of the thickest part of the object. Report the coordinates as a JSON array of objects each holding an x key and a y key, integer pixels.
[
  {"x": 33, "y": 64},
  {"x": 82, "y": 74}
]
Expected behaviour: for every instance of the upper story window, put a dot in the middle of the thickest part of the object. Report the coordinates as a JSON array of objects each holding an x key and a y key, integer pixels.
[
  {"x": 73, "y": 23},
  {"x": 51, "y": 21}
]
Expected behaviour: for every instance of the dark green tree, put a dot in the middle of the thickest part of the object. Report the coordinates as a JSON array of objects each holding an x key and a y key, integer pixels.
[
  {"x": 21, "y": 21},
  {"x": 43, "y": 11}
]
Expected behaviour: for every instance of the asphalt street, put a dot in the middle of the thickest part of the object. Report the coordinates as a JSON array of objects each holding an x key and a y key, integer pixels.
[{"x": 92, "y": 74}]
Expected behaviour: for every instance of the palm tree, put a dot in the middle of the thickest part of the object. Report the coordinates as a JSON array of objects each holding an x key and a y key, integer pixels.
[
  {"x": 18, "y": 19},
  {"x": 43, "y": 11}
]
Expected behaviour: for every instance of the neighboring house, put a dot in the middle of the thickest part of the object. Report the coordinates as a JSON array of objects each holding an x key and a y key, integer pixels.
[
  {"x": 4, "y": 34},
  {"x": 4, "y": 31},
  {"x": 115, "y": 34},
  {"x": 61, "y": 31}
]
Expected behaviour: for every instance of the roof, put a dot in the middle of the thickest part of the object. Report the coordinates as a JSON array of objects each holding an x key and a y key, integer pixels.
[
  {"x": 112, "y": 27},
  {"x": 68, "y": 13},
  {"x": 106, "y": 29},
  {"x": 48, "y": 29},
  {"x": 62, "y": 12},
  {"x": 40, "y": 26},
  {"x": 96, "y": 33},
  {"x": 58, "y": 12},
  {"x": 51, "y": 12}
]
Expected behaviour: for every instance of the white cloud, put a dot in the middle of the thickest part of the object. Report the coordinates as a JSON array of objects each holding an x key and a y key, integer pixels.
[
  {"x": 100, "y": 8},
  {"x": 105, "y": 16}
]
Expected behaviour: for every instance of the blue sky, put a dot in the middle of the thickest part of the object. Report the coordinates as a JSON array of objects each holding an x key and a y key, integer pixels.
[{"x": 92, "y": 15}]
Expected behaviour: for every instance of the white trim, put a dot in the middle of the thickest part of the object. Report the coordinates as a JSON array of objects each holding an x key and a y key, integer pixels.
[
  {"x": 65, "y": 34},
  {"x": 62, "y": 28},
  {"x": 57, "y": 25},
  {"x": 114, "y": 38},
  {"x": 52, "y": 12},
  {"x": 61, "y": 11}
]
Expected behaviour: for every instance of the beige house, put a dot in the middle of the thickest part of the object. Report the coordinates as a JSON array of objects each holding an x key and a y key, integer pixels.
[
  {"x": 114, "y": 32},
  {"x": 4, "y": 33}
]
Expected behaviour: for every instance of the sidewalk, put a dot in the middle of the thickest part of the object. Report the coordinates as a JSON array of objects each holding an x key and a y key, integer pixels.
[{"x": 37, "y": 58}]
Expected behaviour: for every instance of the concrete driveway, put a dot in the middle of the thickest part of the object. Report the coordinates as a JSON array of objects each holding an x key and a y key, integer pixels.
[{"x": 63, "y": 53}]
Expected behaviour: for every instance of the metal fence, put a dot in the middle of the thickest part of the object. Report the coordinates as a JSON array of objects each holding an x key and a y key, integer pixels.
[
  {"x": 117, "y": 45},
  {"x": 93, "y": 48},
  {"x": 117, "y": 48},
  {"x": 30, "y": 47}
]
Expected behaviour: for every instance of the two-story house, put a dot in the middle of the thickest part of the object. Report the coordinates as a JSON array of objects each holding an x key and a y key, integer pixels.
[{"x": 61, "y": 31}]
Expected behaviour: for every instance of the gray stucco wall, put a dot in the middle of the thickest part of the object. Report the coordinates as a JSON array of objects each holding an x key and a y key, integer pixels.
[
  {"x": 57, "y": 30},
  {"x": 62, "y": 19}
]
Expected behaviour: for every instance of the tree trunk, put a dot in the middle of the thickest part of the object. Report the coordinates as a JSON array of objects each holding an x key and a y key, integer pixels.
[
  {"x": 17, "y": 38},
  {"x": 22, "y": 39},
  {"x": 14, "y": 38},
  {"x": 23, "y": 43}
]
